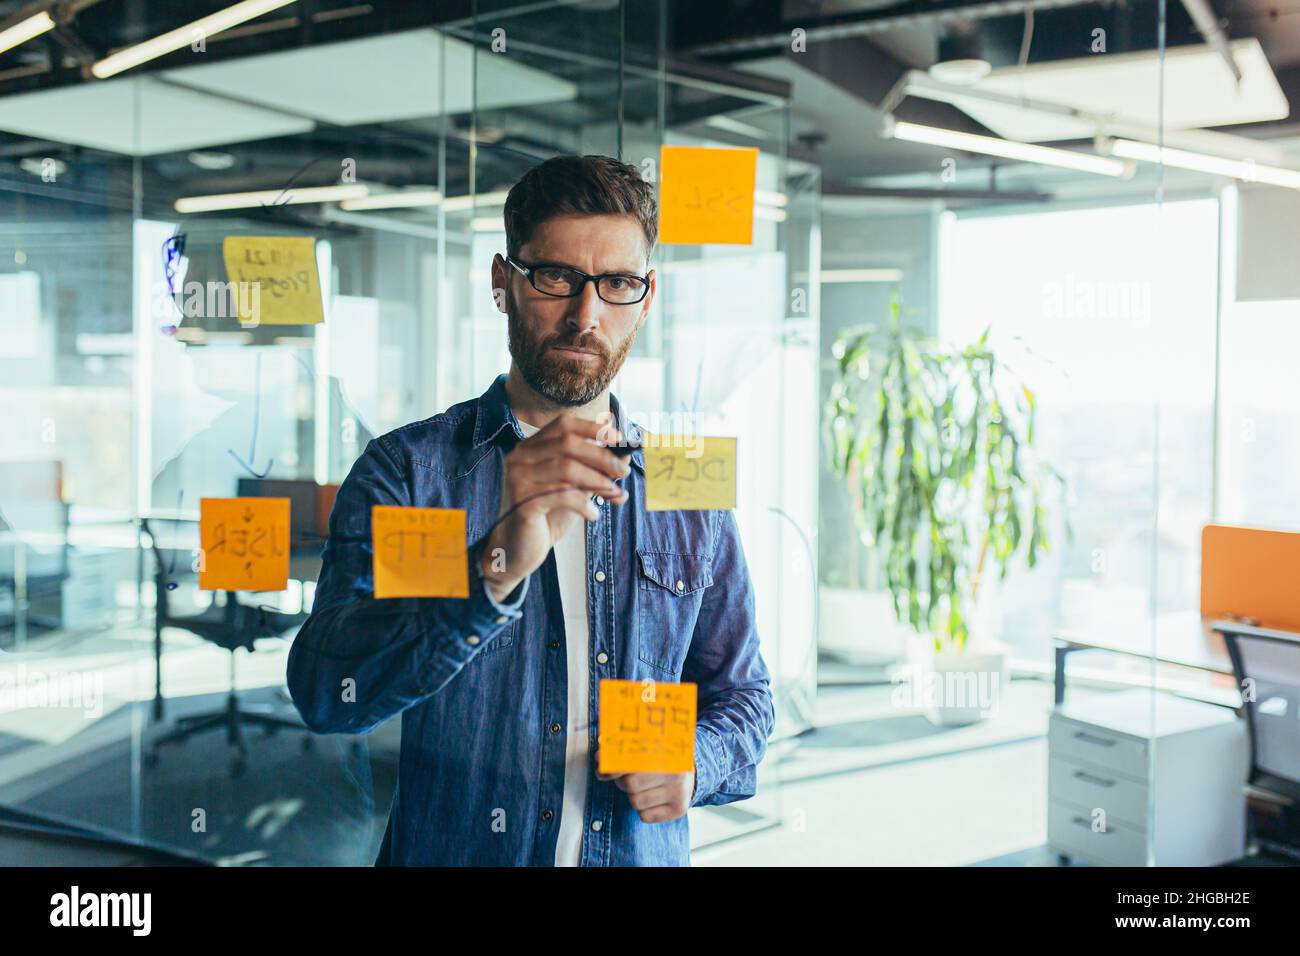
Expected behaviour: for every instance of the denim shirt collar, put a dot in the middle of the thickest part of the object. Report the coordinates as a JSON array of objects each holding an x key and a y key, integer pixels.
[{"x": 494, "y": 415}]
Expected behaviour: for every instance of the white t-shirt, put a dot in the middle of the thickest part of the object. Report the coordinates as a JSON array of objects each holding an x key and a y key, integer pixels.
[{"x": 571, "y": 569}]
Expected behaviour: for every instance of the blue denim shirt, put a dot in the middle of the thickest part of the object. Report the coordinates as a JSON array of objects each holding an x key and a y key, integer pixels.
[{"x": 482, "y": 686}]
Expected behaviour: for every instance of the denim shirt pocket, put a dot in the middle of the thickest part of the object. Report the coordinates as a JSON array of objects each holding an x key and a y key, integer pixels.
[{"x": 670, "y": 590}]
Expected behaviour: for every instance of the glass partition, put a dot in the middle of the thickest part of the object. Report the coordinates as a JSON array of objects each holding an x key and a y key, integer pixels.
[{"x": 130, "y": 208}]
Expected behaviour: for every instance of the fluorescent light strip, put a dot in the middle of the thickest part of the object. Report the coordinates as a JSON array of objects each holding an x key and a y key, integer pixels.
[
  {"x": 487, "y": 224},
  {"x": 861, "y": 275},
  {"x": 28, "y": 29},
  {"x": 1006, "y": 148},
  {"x": 183, "y": 36},
  {"x": 270, "y": 197},
  {"x": 403, "y": 199},
  {"x": 461, "y": 203},
  {"x": 1246, "y": 170}
]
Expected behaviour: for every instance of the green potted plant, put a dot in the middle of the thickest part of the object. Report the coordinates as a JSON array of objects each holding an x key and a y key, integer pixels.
[{"x": 937, "y": 448}]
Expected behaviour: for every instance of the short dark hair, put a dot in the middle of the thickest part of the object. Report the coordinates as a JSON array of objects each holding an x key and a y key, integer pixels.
[{"x": 579, "y": 185}]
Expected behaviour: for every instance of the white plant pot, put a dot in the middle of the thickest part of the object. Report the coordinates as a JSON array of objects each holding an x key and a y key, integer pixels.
[{"x": 957, "y": 688}]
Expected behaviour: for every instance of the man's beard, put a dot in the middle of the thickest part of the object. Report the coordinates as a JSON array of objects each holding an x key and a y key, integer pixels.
[{"x": 563, "y": 381}]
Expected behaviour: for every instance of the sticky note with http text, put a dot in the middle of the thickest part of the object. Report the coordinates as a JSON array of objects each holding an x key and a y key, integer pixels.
[
  {"x": 706, "y": 194},
  {"x": 646, "y": 727},
  {"x": 244, "y": 544},
  {"x": 689, "y": 475},
  {"x": 419, "y": 552}
]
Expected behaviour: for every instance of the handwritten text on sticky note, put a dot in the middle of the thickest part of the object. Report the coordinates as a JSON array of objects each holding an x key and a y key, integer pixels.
[
  {"x": 419, "y": 552},
  {"x": 690, "y": 477},
  {"x": 706, "y": 194},
  {"x": 279, "y": 276},
  {"x": 646, "y": 727},
  {"x": 245, "y": 544}
]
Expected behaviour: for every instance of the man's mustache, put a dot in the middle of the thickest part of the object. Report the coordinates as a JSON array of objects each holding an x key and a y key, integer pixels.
[{"x": 587, "y": 344}]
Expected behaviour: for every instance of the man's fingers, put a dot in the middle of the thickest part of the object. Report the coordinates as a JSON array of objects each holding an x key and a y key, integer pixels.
[
  {"x": 571, "y": 445},
  {"x": 565, "y": 472}
]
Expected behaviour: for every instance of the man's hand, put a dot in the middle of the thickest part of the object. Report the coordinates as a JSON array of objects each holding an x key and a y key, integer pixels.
[
  {"x": 564, "y": 454},
  {"x": 657, "y": 797}
]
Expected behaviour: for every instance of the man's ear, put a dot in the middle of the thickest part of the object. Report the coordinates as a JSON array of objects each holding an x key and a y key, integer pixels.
[
  {"x": 499, "y": 267},
  {"x": 649, "y": 299}
]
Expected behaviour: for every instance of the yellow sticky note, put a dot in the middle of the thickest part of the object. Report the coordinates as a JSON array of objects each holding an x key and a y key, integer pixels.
[
  {"x": 706, "y": 194},
  {"x": 646, "y": 727},
  {"x": 245, "y": 544},
  {"x": 689, "y": 476},
  {"x": 419, "y": 552},
  {"x": 282, "y": 285}
]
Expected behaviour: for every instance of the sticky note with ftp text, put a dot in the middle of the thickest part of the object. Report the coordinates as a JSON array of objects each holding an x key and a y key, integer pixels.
[
  {"x": 419, "y": 552},
  {"x": 275, "y": 279},
  {"x": 646, "y": 727},
  {"x": 689, "y": 475},
  {"x": 244, "y": 544},
  {"x": 706, "y": 194}
]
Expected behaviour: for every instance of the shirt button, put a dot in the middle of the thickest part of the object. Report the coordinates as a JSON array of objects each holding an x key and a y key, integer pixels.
[
  {"x": 548, "y": 814},
  {"x": 472, "y": 640},
  {"x": 555, "y": 645},
  {"x": 595, "y": 825},
  {"x": 602, "y": 658},
  {"x": 681, "y": 585},
  {"x": 555, "y": 728},
  {"x": 600, "y": 576},
  {"x": 502, "y": 619}
]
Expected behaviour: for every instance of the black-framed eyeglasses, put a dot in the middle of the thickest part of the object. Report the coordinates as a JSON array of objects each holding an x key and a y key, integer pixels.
[{"x": 616, "y": 288}]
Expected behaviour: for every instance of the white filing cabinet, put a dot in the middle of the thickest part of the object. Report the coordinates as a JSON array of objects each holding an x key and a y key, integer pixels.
[{"x": 1169, "y": 774}]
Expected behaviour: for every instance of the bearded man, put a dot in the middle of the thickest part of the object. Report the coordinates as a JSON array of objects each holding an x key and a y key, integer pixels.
[{"x": 571, "y": 580}]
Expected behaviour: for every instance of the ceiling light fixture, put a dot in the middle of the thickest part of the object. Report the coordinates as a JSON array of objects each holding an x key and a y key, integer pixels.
[
  {"x": 1244, "y": 169},
  {"x": 173, "y": 40},
  {"x": 270, "y": 197},
  {"x": 401, "y": 199},
  {"x": 1006, "y": 148},
  {"x": 25, "y": 30}
]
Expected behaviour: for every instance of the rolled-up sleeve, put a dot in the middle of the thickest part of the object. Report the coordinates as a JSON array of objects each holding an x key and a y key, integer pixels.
[
  {"x": 358, "y": 661},
  {"x": 736, "y": 715}
]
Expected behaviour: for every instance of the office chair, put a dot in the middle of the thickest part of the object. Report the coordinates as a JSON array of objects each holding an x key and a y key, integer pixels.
[{"x": 230, "y": 626}]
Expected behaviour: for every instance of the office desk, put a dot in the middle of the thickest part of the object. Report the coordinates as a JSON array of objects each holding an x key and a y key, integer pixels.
[{"x": 1182, "y": 639}]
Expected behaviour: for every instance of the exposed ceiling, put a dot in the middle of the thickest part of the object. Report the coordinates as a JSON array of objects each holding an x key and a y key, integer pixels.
[{"x": 376, "y": 82}]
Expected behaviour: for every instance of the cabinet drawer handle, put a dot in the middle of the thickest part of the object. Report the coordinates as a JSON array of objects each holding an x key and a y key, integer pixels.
[
  {"x": 1093, "y": 739},
  {"x": 1084, "y": 822},
  {"x": 1093, "y": 778}
]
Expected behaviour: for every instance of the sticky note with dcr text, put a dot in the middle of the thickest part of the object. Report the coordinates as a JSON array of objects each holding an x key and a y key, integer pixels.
[
  {"x": 419, "y": 552},
  {"x": 275, "y": 279},
  {"x": 244, "y": 544},
  {"x": 706, "y": 194},
  {"x": 646, "y": 727},
  {"x": 689, "y": 475}
]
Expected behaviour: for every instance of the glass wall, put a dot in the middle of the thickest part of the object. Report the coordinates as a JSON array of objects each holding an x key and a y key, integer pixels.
[{"x": 389, "y": 141}]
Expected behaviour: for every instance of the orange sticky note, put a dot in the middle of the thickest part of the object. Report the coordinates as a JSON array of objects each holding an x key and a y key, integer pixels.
[
  {"x": 706, "y": 194},
  {"x": 646, "y": 727},
  {"x": 419, "y": 552},
  {"x": 244, "y": 544}
]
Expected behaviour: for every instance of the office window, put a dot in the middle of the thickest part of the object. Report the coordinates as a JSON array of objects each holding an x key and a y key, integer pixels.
[{"x": 1108, "y": 314}]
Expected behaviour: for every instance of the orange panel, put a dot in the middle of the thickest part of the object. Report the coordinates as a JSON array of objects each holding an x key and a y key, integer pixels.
[{"x": 1251, "y": 573}]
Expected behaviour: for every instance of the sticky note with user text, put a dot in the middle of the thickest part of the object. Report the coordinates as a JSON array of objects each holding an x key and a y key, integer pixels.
[
  {"x": 244, "y": 544},
  {"x": 275, "y": 281},
  {"x": 419, "y": 552},
  {"x": 689, "y": 475},
  {"x": 706, "y": 194},
  {"x": 646, "y": 727}
]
